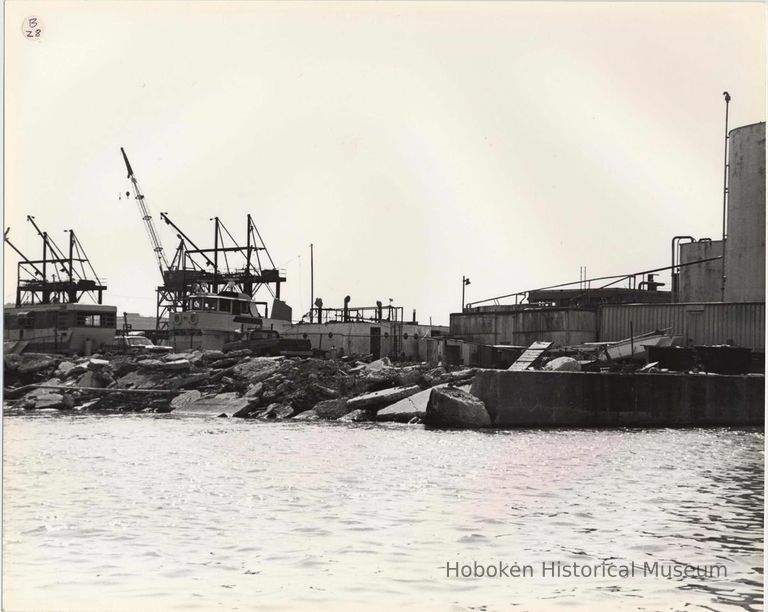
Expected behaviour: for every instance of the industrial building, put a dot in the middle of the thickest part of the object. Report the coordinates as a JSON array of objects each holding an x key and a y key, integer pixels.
[{"x": 717, "y": 294}]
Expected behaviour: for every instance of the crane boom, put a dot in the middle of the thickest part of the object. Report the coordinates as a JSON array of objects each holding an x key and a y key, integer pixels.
[{"x": 149, "y": 224}]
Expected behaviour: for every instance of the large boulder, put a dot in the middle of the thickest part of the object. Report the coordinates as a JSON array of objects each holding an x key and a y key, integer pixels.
[
  {"x": 451, "y": 407},
  {"x": 332, "y": 409},
  {"x": 562, "y": 364},
  {"x": 380, "y": 399},
  {"x": 307, "y": 415}
]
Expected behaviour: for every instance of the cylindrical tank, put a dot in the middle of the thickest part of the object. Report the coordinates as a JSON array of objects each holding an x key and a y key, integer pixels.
[{"x": 745, "y": 246}]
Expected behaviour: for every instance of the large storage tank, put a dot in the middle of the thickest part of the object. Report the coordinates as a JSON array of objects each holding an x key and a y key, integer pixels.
[
  {"x": 745, "y": 247},
  {"x": 701, "y": 282}
]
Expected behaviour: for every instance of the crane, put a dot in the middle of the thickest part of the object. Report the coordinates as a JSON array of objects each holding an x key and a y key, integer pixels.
[{"x": 149, "y": 224}]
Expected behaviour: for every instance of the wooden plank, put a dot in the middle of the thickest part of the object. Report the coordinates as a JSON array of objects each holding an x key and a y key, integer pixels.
[{"x": 529, "y": 356}]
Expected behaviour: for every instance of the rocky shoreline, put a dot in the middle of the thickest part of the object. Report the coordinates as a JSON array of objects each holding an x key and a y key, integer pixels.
[{"x": 240, "y": 385}]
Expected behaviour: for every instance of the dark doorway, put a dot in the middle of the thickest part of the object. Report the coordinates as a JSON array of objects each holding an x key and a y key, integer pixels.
[{"x": 376, "y": 342}]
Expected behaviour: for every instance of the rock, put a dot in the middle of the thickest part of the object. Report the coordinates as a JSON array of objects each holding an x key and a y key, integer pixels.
[
  {"x": 358, "y": 416},
  {"x": 223, "y": 363},
  {"x": 562, "y": 364},
  {"x": 142, "y": 380},
  {"x": 380, "y": 399},
  {"x": 307, "y": 415},
  {"x": 97, "y": 364},
  {"x": 33, "y": 363},
  {"x": 223, "y": 416},
  {"x": 277, "y": 411},
  {"x": 240, "y": 354},
  {"x": 50, "y": 400},
  {"x": 184, "y": 399},
  {"x": 189, "y": 356},
  {"x": 193, "y": 380},
  {"x": 332, "y": 409},
  {"x": 149, "y": 364},
  {"x": 407, "y": 377},
  {"x": 212, "y": 355},
  {"x": 120, "y": 366},
  {"x": 257, "y": 369},
  {"x": 179, "y": 365},
  {"x": 450, "y": 407},
  {"x": 323, "y": 390},
  {"x": 254, "y": 390},
  {"x": 457, "y": 375},
  {"x": 408, "y": 408},
  {"x": 90, "y": 379},
  {"x": 378, "y": 365},
  {"x": 213, "y": 405},
  {"x": 64, "y": 368}
]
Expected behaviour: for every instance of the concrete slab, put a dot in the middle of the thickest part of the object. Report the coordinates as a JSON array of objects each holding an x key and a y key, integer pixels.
[{"x": 380, "y": 399}]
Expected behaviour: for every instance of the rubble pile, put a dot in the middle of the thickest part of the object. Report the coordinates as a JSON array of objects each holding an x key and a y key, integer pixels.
[{"x": 237, "y": 384}]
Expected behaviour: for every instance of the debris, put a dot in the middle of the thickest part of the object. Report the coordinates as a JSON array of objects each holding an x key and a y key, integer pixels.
[
  {"x": 332, "y": 409},
  {"x": 562, "y": 364},
  {"x": 450, "y": 407},
  {"x": 407, "y": 409},
  {"x": 380, "y": 399}
]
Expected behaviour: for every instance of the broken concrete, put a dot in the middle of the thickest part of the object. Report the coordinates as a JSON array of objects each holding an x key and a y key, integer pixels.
[
  {"x": 453, "y": 408},
  {"x": 359, "y": 416},
  {"x": 184, "y": 399},
  {"x": 332, "y": 409},
  {"x": 408, "y": 408},
  {"x": 380, "y": 399},
  {"x": 213, "y": 405}
]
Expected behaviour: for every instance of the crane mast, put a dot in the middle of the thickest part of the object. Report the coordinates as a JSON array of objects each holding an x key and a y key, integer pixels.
[{"x": 149, "y": 224}]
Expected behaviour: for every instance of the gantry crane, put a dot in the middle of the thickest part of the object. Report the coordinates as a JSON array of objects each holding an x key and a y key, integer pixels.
[
  {"x": 194, "y": 270},
  {"x": 56, "y": 278}
]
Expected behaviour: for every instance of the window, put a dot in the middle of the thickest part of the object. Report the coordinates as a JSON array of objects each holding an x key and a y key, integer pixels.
[{"x": 92, "y": 319}]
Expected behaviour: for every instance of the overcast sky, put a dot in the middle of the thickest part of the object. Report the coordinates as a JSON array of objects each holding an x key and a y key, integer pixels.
[{"x": 411, "y": 143}]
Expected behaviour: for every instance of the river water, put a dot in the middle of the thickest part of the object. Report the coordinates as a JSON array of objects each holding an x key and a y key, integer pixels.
[{"x": 163, "y": 512}]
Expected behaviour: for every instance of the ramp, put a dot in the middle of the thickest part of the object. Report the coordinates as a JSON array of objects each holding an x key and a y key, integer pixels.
[{"x": 532, "y": 354}]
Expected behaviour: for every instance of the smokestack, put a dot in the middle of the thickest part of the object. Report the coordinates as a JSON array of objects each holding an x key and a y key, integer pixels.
[
  {"x": 379, "y": 311},
  {"x": 346, "y": 308}
]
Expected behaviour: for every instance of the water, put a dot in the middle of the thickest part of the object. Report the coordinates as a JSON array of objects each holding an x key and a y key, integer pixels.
[{"x": 170, "y": 513}]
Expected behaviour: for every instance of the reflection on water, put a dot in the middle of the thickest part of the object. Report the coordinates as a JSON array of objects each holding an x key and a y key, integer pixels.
[{"x": 163, "y": 513}]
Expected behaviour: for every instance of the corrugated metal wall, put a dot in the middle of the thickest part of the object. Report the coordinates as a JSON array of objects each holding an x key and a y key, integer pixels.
[
  {"x": 740, "y": 324},
  {"x": 562, "y": 326}
]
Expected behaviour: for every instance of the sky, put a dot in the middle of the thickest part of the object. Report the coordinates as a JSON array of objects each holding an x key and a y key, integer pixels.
[{"x": 410, "y": 143}]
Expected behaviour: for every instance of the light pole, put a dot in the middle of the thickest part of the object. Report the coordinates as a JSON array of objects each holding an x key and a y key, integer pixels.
[
  {"x": 725, "y": 196},
  {"x": 464, "y": 283}
]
